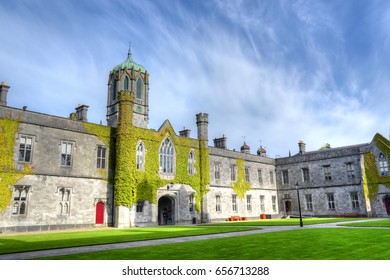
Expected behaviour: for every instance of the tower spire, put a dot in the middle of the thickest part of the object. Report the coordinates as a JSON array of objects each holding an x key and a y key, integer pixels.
[{"x": 129, "y": 52}]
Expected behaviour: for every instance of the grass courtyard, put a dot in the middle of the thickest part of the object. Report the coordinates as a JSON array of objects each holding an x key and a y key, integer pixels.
[{"x": 299, "y": 244}]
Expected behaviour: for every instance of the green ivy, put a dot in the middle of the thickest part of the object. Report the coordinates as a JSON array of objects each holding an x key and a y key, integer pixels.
[
  {"x": 241, "y": 186},
  {"x": 372, "y": 178},
  {"x": 132, "y": 185},
  {"x": 8, "y": 175}
]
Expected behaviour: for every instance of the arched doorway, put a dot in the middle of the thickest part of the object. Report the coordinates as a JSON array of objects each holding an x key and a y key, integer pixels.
[
  {"x": 99, "y": 220},
  {"x": 166, "y": 210},
  {"x": 287, "y": 207},
  {"x": 387, "y": 204}
]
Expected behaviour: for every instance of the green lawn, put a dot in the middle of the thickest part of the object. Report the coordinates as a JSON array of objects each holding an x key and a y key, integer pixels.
[
  {"x": 378, "y": 223},
  {"x": 302, "y": 244},
  {"x": 31, "y": 242},
  {"x": 286, "y": 222}
]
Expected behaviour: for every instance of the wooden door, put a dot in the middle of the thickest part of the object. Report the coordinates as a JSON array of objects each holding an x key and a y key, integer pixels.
[{"x": 99, "y": 213}]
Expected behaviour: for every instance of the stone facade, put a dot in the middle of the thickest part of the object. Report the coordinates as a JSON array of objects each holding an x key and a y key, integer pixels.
[{"x": 67, "y": 174}]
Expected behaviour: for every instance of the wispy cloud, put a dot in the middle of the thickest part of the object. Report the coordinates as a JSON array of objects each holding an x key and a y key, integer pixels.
[{"x": 275, "y": 71}]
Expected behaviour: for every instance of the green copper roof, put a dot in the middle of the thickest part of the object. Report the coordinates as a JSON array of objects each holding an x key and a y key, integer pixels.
[{"x": 129, "y": 63}]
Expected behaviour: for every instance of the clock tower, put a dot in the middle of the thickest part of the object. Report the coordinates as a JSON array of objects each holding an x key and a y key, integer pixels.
[{"x": 132, "y": 77}]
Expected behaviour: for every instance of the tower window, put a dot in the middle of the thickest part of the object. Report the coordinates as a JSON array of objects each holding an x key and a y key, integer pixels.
[
  {"x": 114, "y": 89},
  {"x": 139, "y": 88},
  {"x": 126, "y": 83}
]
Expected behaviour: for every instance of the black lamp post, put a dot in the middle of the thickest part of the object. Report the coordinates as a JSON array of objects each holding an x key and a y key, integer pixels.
[{"x": 299, "y": 206}]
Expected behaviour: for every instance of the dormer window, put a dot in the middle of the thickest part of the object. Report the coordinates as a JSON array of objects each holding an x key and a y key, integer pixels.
[{"x": 383, "y": 165}]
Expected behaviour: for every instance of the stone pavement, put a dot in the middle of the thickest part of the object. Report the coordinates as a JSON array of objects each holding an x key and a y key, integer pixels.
[{"x": 134, "y": 244}]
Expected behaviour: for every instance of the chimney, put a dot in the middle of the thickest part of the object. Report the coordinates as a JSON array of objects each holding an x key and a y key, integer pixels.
[
  {"x": 185, "y": 132},
  {"x": 81, "y": 113},
  {"x": 3, "y": 93},
  {"x": 302, "y": 147},
  {"x": 220, "y": 142}
]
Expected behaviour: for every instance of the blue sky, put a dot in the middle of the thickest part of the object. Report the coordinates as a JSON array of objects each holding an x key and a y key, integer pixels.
[{"x": 274, "y": 72}]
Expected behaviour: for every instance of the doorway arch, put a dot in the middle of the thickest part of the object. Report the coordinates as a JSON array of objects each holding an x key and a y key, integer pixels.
[{"x": 166, "y": 210}]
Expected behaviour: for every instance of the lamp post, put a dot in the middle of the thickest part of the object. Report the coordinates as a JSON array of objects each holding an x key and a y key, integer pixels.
[{"x": 299, "y": 206}]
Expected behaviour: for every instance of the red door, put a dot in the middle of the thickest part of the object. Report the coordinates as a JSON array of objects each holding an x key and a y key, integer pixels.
[
  {"x": 387, "y": 204},
  {"x": 99, "y": 213}
]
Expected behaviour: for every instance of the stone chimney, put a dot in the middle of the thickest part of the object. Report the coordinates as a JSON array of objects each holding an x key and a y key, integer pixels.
[
  {"x": 3, "y": 93},
  {"x": 202, "y": 122},
  {"x": 220, "y": 142},
  {"x": 185, "y": 132},
  {"x": 81, "y": 113},
  {"x": 302, "y": 147}
]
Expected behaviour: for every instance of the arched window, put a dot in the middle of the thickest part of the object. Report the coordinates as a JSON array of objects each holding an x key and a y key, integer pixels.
[
  {"x": 126, "y": 83},
  {"x": 167, "y": 156},
  {"x": 139, "y": 88},
  {"x": 113, "y": 89},
  {"x": 140, "y": 160},
  {"x": 191, "y": 163},
  {"x": 20, "y": 200},
  {"x": 64, "y": 195},
  {"x": 383, "y": 165}
]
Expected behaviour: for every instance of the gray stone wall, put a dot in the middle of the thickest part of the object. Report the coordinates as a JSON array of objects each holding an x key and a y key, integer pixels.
[
  {"x": 44, "y": 198},
  {"x": 341, "y": 184}
]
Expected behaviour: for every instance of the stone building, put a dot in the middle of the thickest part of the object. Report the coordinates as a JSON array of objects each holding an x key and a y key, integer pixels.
[{"x": 60, "y": 172}]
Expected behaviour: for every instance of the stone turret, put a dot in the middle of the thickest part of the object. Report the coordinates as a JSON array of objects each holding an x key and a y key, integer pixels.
[
  {"x": 202, "y": 122},
  {"x": 3, "y": 93},
  {"x": 220, "y": 142}
]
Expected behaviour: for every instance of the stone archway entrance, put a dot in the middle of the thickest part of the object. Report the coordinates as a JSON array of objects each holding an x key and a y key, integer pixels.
[
  {"x": 387, "y": 204},
  {"x": 166, "y": 210}
]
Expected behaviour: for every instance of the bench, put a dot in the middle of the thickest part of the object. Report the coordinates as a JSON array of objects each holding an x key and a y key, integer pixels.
[{"x": 234, "y": 218}]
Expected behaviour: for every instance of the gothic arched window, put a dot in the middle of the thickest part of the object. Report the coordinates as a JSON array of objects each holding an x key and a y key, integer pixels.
[
  {"x": 191, "y": 163},
  {"x": 139, "y": 88},
  {"x": 140, "y": 160},
  {"x": 126, "y": 83},
  {"x": 167, "y": 157},
  {"x": 383, "y": 165}
]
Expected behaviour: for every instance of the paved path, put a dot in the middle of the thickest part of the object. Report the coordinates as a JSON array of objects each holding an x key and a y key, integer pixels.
[{"x": 134, "y": 244}]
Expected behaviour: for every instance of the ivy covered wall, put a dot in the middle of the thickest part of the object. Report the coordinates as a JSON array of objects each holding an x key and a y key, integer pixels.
[
  {"x": 241, "y": 186},
  {"x": 132, "y": 185},
  {"x": 371, "y": 177},
  {"x": 8, "y": 175}
]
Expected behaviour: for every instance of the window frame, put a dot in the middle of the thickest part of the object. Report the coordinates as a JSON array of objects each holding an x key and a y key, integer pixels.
[
  {"x": 327, "y": 172},
  {"x": 262, "y": 203},
  {"x": 218, "y": 203},
  {"x": 305, "y": 174},
  {"x": 350, "y": 166},
  {"x": 20, "y": 201},
  {"x": 234, "y": 203},
  {"x": 260, "y": 176},
  {"x": 167, "y": 156},
  {"x": 285, "y": 177},
  {"x": 248, "y": 202},
  {"x": 247, "y": 174},
  {"x": 330, "y": 201},
  {"x": 67, "y": 161},
  {"x": 383, "y": 165},
  {"x": 140, "y": 156},
  {"x": 217, "y": 171},
  {"x": 139, "y": 88},
  {"x": 309, "y": 202},
  {"x": 191, "y": 163},
  {"x": 233, "y": 173},
  {"x": 100, "y": 158},
  {"x": 355, "y": 200},
  {"x": 64, "y": 195},
  {"x": 25, "y": 149}
]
